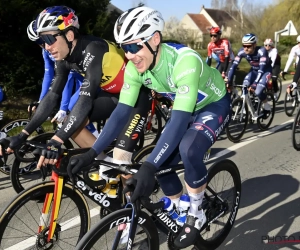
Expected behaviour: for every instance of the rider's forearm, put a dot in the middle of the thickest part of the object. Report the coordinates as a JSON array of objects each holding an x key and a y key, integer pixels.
[
  {"x": 226, "y": 63},
  {"x": 43, "y": 111},
  {"x": 113, "y": 127}
]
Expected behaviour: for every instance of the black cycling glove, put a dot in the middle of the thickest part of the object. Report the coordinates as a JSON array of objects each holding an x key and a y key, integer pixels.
[
  {"x": 142, "y": 182},
  {"x": 78, "y": 162},
  {"x": 52, "y": 150},
  {"x": 17, "y": 140}
]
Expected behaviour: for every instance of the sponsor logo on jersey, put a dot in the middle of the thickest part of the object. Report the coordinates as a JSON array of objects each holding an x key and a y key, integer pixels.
[
  {"x": 148, "y": 81},
  {"x": 187, "y": 72},
  {"x": 126, "y": 86},
  {"x": 216, "y": 90},
  {"x": 219, "y": 129},
  {"x": 105, "y": 79},
  {"x": 183, "y": 89},
  {"x": 87, "y": 60},
  {"x": 170, "y": 82},
  {"x": 85, "y": 93},
  {"x": 133, "y": 124},
  {"x": 85, "y": 84},
  {"x": 70, "y": 123},
  {"x": 161, "y": 152}
]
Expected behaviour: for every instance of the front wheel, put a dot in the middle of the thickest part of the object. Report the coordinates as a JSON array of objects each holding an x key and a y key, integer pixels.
[
  {"x": 290, "y": 103},
  {"x": 112, "y": 233},
  {"x": 265, "y": 117},
  {"x": 21, "y": 219},
  {"x": 10, "y": 129},
  {"x": 238, "y": 122},
  {"x": 279, "y": 82},
  {"x": 296, "y": 132}
]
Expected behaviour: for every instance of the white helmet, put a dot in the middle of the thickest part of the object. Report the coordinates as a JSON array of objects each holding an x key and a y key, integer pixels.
[
  {"x": 298, "y": 39},
  {"x": 269, "y": 41},
  {"x": 249, "y": 38},
  {"x": 136, "y": 23},
  {"x": 31, "y": 32}
]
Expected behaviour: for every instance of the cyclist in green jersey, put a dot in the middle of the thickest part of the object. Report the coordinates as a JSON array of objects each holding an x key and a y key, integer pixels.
[{"x": 200, "y": 112}]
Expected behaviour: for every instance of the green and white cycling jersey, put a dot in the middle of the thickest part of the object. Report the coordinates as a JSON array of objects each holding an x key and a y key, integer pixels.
[{"x": 181, "y": 73}]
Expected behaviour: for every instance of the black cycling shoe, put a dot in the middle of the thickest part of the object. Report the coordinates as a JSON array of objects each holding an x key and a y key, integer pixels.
[{"x": 189, "y": 233}]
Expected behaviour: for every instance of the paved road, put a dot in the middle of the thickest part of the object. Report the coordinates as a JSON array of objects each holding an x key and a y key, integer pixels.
[{"x": 270, "y": 203}]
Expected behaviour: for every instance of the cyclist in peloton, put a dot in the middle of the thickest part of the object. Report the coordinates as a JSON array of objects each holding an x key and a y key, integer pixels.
[
  {"x": 68, "y": 101},
  {"x": 294, "y": 53},
  {"x": 261, "y": 68},
  {"x": 276, "y": 63},
  {"x": 222, "y": 48},
  {"x": 200, "y": 112},
  {"x": 103, "y": 65}
]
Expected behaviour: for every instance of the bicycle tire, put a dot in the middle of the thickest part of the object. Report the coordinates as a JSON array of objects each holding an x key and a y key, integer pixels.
[
  {"x": 289, "y": 111},
  {"x": 26, "y": 207},
  {"x": 210, "y": 205},
  {"x": 279, "y": 81},
  {"x": 232, "y": 169},
  {"x": 15, "y": 124},
  {"x": 296, "y": 126},
  {"x": 21, "y": 176},
  {"x": 236, "y": 115},
  {"x": 261, "y": 126},
  {"x": 91, "y": 238}
]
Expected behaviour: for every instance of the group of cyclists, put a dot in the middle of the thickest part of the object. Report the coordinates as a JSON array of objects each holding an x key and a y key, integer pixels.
[{"x": 114, "y": 80}]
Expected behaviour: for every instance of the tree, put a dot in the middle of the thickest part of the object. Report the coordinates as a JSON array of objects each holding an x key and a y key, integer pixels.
[{"x": 20, "y": 68}]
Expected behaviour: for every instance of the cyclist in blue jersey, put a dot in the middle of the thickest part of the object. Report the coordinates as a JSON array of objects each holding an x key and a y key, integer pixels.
[
  {"x": 261, "y": 67},
  {"x": 68, "y": 100}
]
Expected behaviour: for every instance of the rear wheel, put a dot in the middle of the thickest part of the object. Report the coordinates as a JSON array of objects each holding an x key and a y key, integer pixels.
[
  {"x": 21, "y": 219},
  {"x": 220, "y": 204}
]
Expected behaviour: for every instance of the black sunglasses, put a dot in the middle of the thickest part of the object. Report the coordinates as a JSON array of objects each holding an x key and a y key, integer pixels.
[
  {"x": 247, "y": 46},
  {"x": 267, "y": 45},
  {"x": 134, "y": 48},
  {"x": 213, "y": 35},
  {"x": 50, "y": 39}
]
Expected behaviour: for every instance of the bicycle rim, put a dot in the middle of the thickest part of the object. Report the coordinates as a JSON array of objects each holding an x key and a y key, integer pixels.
[
  {"x": 20, "y": 221},
  {"x": 296, "y": 132},
  {"x": 224, "y": 180},
  {"x": 111, "y": 231},
  {"x": 290, "y": 103},
  {"x": 238, "y": 122},
  {"x": 265, "y": 121}
]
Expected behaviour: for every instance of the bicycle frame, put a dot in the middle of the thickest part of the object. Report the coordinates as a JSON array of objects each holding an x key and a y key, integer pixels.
[{"x": 93, "y": 193}]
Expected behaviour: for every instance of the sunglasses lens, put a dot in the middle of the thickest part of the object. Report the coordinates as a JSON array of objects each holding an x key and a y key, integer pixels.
[
  {"x": 213, "y": 35},
  {"x": 133, "y": 48},
  {"x": 247, "y": 46},
  {"x": 49, "y": 39}
]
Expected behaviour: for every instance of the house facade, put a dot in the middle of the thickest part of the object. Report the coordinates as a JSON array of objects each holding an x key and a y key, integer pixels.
[{"x": 197, "y": 26}]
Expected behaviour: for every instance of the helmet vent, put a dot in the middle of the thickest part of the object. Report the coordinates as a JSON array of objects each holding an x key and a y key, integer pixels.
[{"x": 144, "y": 27}]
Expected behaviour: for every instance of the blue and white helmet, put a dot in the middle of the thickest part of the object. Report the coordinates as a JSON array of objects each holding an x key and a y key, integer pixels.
[{"x": 249, "y": 38}]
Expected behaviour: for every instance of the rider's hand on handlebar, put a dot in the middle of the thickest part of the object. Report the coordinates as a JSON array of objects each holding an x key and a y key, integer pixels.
[
  {"x": 50, "y": 154},
  {"x": 33, "y": 106},
  {"x": 143, "y": 182},
  {"x": 78, "y": 162},
  {"x": 282, "y": 74},
  {"x": 13, "y": 142},
  {"x": 60, "y": 116}
]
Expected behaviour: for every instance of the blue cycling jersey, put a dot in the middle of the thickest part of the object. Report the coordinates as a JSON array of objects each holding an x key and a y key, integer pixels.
[
  {"x": 259, "y": 61},
  {"x": 73, "y": 78}
]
